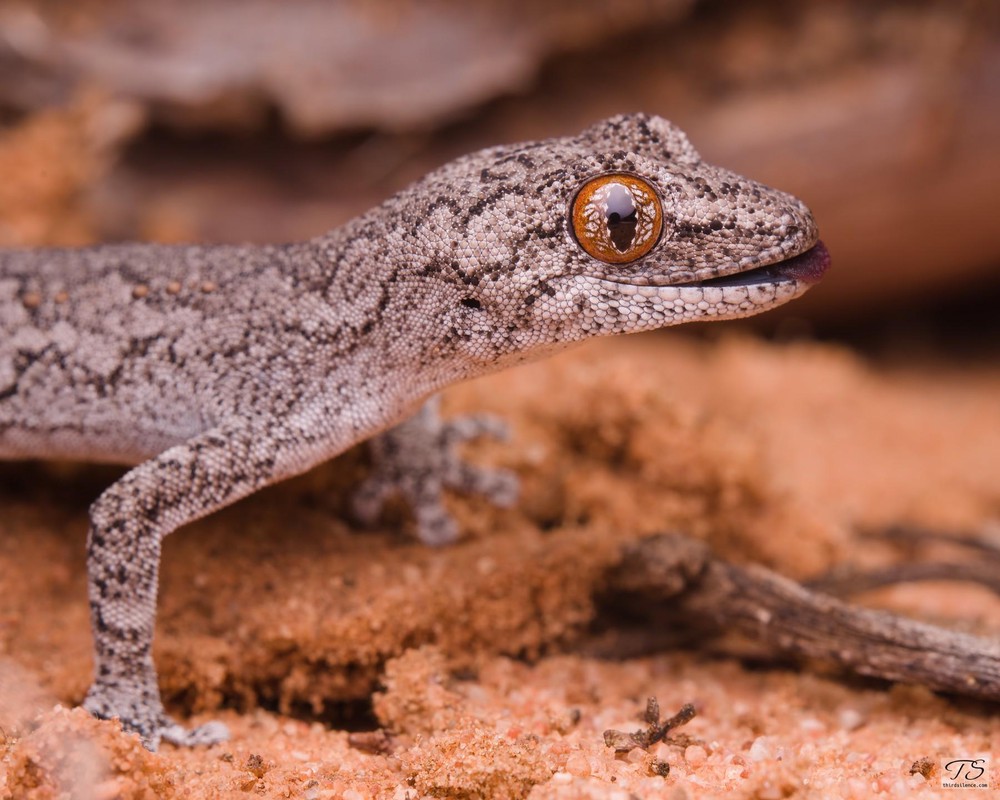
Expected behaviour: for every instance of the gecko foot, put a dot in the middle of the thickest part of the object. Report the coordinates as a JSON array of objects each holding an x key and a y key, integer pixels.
[
  {"x": 140, "y": 711},
  {"x": 418, "y": 459}
]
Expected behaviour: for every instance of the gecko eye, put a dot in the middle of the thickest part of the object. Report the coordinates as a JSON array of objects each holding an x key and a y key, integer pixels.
[{"x": 617, "y": 218}]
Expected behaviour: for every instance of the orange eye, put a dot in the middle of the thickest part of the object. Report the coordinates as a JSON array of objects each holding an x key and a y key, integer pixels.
[{"x": 617, "y": 218}]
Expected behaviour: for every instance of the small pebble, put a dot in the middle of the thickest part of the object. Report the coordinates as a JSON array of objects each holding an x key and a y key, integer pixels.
[
  {"x": 679, "y": 793},
  {"x": 578, "y": 764},
  {"x": 174, "y": 287},
  {"x": 812, "y": 725},
  {"x": 761, "y": 749},
  {"x": 31, "y": 299},
  {"x": 695, "y": 755},
  {"x": 108, "y": 790},
  {"x": 850, "y": 719},
  {"x": 140, "y": 291}
]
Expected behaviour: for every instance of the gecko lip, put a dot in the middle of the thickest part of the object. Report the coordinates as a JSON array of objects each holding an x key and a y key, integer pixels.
[{"x": 808, "y": 267}]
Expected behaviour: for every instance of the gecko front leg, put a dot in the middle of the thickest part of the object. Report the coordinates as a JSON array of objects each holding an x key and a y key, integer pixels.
[
  {"x": 418, "y": 459},
  {"x": 127, "y": 525}
]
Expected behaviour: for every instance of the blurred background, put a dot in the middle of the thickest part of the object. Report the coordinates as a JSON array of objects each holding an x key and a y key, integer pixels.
[{"x": 235, "y": 120}]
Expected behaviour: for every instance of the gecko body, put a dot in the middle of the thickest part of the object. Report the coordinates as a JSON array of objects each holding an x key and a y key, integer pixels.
[{"x": 218, "y": 370}]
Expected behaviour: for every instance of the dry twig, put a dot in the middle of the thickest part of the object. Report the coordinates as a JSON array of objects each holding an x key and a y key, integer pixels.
[
  {"x": 844, "y": 583},
  {"x": 680, "y": 578},
  {"x": 983, "y": 542},
  {"x": 655, "y": 731},
  {"x": 984, "y": 546}
]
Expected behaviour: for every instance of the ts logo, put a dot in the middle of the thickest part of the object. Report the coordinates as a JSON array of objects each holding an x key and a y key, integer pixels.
[{"x": 965, "y": 769}]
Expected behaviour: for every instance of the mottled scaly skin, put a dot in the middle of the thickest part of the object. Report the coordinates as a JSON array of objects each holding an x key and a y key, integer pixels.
[{"x": 221, "y": 369}]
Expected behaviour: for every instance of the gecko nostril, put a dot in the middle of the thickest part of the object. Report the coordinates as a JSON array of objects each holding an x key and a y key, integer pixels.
[{"x": 471, "y": 302}]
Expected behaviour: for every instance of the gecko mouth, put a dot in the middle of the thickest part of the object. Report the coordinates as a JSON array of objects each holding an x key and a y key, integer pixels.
[{"x": 808, "y": 267}]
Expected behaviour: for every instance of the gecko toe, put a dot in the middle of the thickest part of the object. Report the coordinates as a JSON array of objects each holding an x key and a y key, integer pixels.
[
  {"x": 435, "y": 526},
  {"x": 210, "y": 733},
  {"x": 474, "y": 426},
  {"x": 369, "y": 499},
  {"x": 500, "y": 486}
]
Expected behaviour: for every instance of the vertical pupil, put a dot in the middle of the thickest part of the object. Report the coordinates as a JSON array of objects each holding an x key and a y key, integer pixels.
[{"x": 621, "y": 217}]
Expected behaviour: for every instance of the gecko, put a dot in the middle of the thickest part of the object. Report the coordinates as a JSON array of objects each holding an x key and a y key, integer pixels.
[{"x": 216, "y": 370}]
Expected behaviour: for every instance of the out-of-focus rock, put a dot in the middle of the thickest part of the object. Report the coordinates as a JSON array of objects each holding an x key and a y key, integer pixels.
[
  {"x": 49, "y": 165},
  {"x": 884, "y": 118},
  {"x": 391, "y": 64}
]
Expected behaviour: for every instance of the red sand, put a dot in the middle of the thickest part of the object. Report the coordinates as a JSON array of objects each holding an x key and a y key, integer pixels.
[{"x": 772, "y": 453}]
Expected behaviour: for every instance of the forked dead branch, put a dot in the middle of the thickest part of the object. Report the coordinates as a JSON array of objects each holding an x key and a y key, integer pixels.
[{"x": 681, "y": 582}]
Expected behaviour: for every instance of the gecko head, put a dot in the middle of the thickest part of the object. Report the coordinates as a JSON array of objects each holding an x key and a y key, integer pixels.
[{"x": 621, "y": 228}]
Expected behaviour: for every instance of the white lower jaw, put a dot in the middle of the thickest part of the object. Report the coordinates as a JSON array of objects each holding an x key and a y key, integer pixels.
[{"x": 606, "y": 307}]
